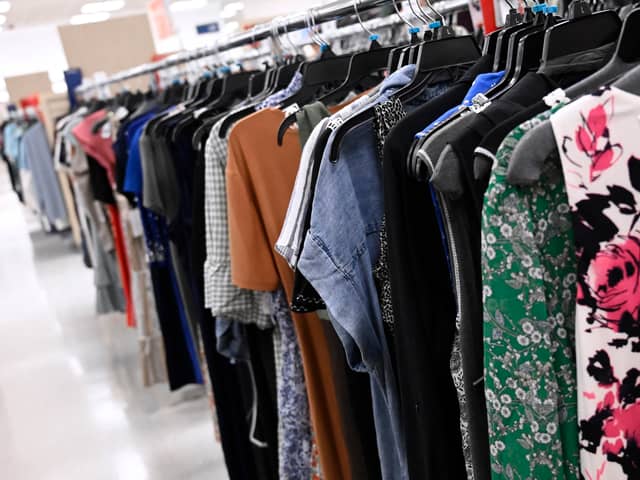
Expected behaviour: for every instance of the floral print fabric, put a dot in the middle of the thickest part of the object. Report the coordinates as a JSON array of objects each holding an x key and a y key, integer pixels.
[
  {"x": 294, "y": 424},
  {"x": 528, "y": 271},
  {"x": 599, "y": 145}
]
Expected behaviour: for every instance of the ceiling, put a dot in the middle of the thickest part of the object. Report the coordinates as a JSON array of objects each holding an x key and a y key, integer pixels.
[{"x": 25, "y": 13}]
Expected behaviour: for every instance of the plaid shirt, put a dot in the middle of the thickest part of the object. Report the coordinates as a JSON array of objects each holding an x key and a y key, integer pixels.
[{"x": 221, "y": 296}]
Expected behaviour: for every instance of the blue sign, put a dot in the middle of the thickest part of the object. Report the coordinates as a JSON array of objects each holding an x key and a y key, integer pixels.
[{"x": 212, "y": 27}]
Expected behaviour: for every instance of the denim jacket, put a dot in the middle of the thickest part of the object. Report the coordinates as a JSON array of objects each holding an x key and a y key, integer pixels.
[{"x": 339, "y": 254}]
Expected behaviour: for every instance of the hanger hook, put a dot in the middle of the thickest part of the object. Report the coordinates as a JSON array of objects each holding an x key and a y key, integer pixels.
[
  {"x": 288, "y": 36},
  {"x": 509, "y": 3},
  {"x": 419, "y": 14},
  {"x": 277, "y": 43},
  {"x": 428, "y": 2},
  {"x": 407, "y": 22},
  {"x": 313, "y": 20},
  {"x": 372, "y": 35},
  {"x": 307, "y": 21}
]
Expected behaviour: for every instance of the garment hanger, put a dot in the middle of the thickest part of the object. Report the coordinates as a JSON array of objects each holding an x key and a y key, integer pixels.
[
  {"x": 362, "y": 65},
  {"x": 410, "y": 53},
  {"x": 327, "y": 71},
  {"x": 513, "y": 24},
  {"x": 434, "y": 55},
  {"x": 530, "y": 48},
  {"x": 626, "y": 56},
  {"x": 234, "y": 87},
  {"x": 512, "y": 50},
  {"x": 283, "y": 77},
  {"x": 394, "y": 54},
  {"x": 583, "y": 31}
]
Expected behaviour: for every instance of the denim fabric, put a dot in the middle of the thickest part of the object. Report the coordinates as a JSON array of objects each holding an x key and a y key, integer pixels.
[
  {"x": 281, "y": 95},
  {"x": 339, "y": 253},
  {"x": 231, "y": 340}
]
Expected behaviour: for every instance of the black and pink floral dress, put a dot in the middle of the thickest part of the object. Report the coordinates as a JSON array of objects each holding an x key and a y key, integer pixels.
[{"x": 598, "y": 139}]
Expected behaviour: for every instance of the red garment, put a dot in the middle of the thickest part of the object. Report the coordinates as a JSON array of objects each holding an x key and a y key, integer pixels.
[
  {"x": 100, "y": 147},
  {"x": 123, "y": 262},
  {"x": 96, "y": 144}
]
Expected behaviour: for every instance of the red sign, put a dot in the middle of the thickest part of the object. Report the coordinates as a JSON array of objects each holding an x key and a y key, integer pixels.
[{"x": 160, "y": 19}]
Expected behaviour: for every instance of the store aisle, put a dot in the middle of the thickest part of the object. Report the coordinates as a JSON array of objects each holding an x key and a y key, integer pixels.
[{"x": 71, "y": 401}]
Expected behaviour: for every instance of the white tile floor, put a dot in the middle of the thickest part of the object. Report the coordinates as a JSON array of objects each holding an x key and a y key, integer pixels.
[{"x": 71, "y": 402}]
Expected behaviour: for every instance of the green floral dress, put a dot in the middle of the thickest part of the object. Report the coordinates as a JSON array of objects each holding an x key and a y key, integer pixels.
[{"x": 528, "y": 269}]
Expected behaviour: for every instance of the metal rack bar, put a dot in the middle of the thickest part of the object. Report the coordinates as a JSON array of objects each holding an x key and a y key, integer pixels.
[{"x": 290, "y": 23}]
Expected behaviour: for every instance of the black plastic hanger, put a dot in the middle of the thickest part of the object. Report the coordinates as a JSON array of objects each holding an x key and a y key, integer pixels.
[
  {"x": 502, "y": 47},
  {"x": 435, "y": 55},
  {"x": 626, "y": 57},
  {"x": 327, "y": 71},
  {"x": 284, "y": 73},
  {"x": 395, "y": 53},
  {"x": 583, "y": 31},
  {"x": 530, "y": 52},
  {"x": 536, "y": 24},
  {"x": 628, "y": 50},
  {"x": 234, "y": 87},
  {"x": 361, "y": 66}
]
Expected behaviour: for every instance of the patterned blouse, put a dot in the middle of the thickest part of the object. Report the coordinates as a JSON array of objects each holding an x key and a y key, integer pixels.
[
  {"x": 599, "y": 146},
  {"x": 529, "y": 302}
]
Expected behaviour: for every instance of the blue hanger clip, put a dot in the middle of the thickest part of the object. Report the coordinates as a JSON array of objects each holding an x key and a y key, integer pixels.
[
  {"x": 324, "y": 47},
  {"x": 373, "y": 37},
  {"x": 434, "y": 25},
  {"x": 224, "y": 69},
  {"x": 552, "y": 9},
  {"x": 539, "y": 8},
  {"x": 414, "y": 30}
]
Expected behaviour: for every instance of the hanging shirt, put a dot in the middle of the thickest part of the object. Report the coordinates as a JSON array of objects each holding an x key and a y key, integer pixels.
[
  {"x": 339, "y": 261},
  {"x": 599, "y": 146},
  {"x": 220, "y": 295},
  {"x": 529, "y": 349},
  {"x": 99, "y": 145},
  {"x": 260, "y": 177}
]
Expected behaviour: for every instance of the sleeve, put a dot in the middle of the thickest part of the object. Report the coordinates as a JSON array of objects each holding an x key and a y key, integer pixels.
[{"x": 252, "y": 262}]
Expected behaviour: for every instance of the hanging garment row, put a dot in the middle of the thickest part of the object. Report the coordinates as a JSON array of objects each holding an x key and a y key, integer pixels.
[
  {"x": 24, "y": 147},
  {"x": 416, "y": 261}
]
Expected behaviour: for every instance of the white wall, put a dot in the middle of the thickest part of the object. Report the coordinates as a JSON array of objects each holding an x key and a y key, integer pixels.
[{"x": 30, "y": 50}]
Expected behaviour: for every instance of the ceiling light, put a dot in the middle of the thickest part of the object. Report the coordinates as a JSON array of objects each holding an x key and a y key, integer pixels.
[
  {"x": 3, "y": 19},
  {"x": 5, "y": 6},
  {"x": 106, "y": 6},
  {"x": 228, "y": 13},
  {"x": 182, "y": 5},
  {"x": 234, "y": 7},
  {"x": 89, "y": 18}
]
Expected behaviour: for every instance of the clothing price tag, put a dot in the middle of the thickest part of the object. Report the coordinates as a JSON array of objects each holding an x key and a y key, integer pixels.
[
  {"x": 105, "y": 131},
  {"x": 291, "y": 109},
  {"x": 335, "y": 123},
  {"x": 121, "y": 112},
  {"x": 136, "y": 223},
  {"x": 556, "y": 97},
  {"x": 479, "y": 103}
]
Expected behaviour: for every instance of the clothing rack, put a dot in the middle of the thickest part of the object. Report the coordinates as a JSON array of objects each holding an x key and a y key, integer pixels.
[{"x": 287, "y": 24}]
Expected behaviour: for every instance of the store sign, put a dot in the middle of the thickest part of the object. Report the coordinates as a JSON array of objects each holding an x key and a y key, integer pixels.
[
  {"x": 213, "y": 27},
  {"x": 160, "y": 19}
]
